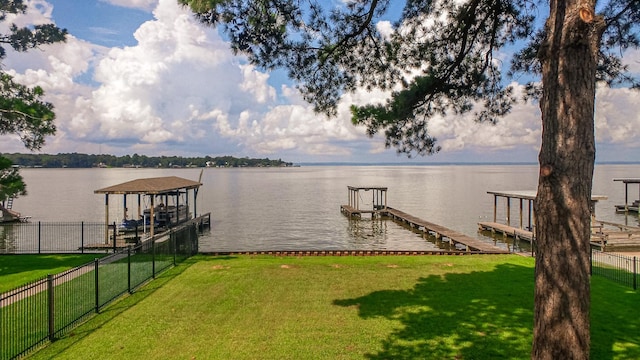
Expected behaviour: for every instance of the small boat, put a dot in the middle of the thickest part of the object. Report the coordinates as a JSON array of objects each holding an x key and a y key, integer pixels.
[{"x": 168, "y": 216}]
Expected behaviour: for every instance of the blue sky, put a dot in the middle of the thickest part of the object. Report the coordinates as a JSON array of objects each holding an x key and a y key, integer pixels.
[{"x": 142, "y": 76}]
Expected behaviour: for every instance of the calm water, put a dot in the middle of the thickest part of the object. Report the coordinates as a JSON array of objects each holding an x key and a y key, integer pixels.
[{"x": 299, "y": 208}]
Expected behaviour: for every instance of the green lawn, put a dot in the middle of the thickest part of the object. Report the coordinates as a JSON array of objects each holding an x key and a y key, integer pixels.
[
  {"x": 397, "y": 307},
  {"x": 17, "y": 270}
]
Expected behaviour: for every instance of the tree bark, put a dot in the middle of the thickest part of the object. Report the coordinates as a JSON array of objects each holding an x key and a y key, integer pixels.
[{"x": 568, "y": 57}]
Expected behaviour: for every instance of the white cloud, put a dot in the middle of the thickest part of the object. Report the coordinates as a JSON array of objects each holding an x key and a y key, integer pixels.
[
  {"x": 632, "y": 60},
  {"x": 135, "y": 4},
  {"x": 617, "y": 116},
  {"x": 180, "y": 90}
]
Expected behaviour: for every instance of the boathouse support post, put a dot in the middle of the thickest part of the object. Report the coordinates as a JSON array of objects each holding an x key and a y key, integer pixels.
[
  {"x": 140, "y": 206},
  {"x": 124, "y": 202},
  {"x": 106, "y": 218},
  {"x": 521, "y": 223},
  {"x": 152, "y": 216},
  {"x": 385, "y": 200},
  {"x": 626, "y": 197},
  {"x": 530, "y": 216},
  {"x": 495, "y": 208},
  {"x": 195, "y": 202},
  {"x": 508, "y": 211}
]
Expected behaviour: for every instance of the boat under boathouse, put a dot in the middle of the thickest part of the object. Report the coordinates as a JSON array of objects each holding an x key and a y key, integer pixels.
[{"x": 160, "y": 192}]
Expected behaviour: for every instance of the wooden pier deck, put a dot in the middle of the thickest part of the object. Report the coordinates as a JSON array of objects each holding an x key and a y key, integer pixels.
[
  {"x": 506, "y": 230},
  {"x": 350, "y": 211},
  {"x": 441, "y": 232},
  {"x": 613, "y": 236},
  {"x": 607, "y": 235},
  {"x": 378, "y": 207}
]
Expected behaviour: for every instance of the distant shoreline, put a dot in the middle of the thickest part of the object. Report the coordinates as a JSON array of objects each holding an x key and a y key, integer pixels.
[{"x": 448, "y": 163}]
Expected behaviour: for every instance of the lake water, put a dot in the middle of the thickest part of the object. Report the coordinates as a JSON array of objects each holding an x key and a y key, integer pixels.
[{"x": 299, "y": 208}]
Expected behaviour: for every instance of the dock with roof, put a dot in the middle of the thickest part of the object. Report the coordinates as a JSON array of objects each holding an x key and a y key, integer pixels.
[
  {"x": 165, "y": 189},
  {"x": 378, "y": 195}
]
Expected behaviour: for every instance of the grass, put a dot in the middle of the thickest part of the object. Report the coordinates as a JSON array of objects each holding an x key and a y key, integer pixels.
[
  {"x": 428, "y": 307},
  {"x": 17, "y": 270}
]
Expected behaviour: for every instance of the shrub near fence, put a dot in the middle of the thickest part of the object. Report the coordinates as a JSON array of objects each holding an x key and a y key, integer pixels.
[{"x": 48, "y": 308}]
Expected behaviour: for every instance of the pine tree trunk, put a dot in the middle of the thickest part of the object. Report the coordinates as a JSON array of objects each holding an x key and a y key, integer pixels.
[{"x": 568, "y": 57}]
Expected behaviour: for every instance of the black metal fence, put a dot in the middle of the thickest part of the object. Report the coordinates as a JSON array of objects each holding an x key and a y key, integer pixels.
[
  {"x": 51, "y": 237},
  {"x": 41, "y": 311},
  {"x": 621, "y": 269}
]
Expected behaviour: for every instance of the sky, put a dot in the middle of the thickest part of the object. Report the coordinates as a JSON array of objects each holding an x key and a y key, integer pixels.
[{"x": 144, "y": 77}]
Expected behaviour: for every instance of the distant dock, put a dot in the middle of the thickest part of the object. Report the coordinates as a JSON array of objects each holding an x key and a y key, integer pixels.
[
  {"x": 608, "y": 236},
  {"x": 633, "y": 206},
  {"x": 379, "y": 208}
]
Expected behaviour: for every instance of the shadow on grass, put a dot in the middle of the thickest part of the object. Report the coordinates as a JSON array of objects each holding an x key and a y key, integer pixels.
[
  {"x": 485, "y": 315},
  {"x": 615, "y": 328},
  {"x": 55, "y": 349},
  {"x": 489, "y": 315}
]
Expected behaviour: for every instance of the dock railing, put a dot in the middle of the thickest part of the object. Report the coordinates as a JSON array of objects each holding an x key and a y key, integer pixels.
[{"x": 36, "y": 313}]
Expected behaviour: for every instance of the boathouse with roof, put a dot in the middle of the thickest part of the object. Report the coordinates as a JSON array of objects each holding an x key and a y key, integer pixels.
[
  {"x": 635, "y": 204},
  {"x": 160, "y": 191}
]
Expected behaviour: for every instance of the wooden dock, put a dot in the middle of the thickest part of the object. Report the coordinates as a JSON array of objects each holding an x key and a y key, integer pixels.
[
  {"x": 378, "y": 207},
  {"x": 506, "y": 230},
  {"x": 629, "y": 207},
  {"x": 443, "y": 233},
  {"x": 607, "y": 235},
  {"x": 124, "y": 240},
  {"x": 440, "y": 232},
  {"x": 614, "y": 237}
]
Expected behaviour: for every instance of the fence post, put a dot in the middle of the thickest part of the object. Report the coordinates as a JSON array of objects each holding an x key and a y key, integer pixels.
[
  {"x": 174, "y": 247},
  {"x": 51, "y": 299},
  {"x": 129, "y": 268},
  {"x": 82, "y": 237},
  {"x": 590, "y": 261},
  {"x": 96, "y": 263},
  {"x": 635, "y": 273},
  {"x": 153, "y": 257},
  {"x": 114, "y": 237},
  {"x": 39, "y": 236}
]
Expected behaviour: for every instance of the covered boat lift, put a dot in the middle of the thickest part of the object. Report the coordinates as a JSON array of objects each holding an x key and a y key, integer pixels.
[
  {"x": 152, "y": 187},
  {"x": 636, "y": 203},
  {"x": 378, "y": 201},
  {"x": 522, "y": 196}
]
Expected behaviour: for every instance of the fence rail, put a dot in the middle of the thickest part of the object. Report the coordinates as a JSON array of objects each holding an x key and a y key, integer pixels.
[
  {"x": 71, "y": 237},
  {"x": 46, "y": 309},
  {"x": 621, "y": 269},
  {"x": 50, "y": 237}
]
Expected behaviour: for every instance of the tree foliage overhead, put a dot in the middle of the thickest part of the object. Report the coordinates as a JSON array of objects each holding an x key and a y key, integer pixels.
[
  {"x": 22, "y": 110},
  {"x": 442, "y": 57}
]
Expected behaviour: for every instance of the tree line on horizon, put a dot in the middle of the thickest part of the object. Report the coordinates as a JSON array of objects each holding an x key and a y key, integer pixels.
[{"x": 76, "y": 160}]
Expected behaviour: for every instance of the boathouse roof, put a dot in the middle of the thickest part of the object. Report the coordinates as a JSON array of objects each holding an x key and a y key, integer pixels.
[
  {"x": 531, "y": 195},
  {"x": 158, "y": 185}
]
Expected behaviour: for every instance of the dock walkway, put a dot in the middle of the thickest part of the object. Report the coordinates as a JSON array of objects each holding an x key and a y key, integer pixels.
[
  {"x": 506, "y": 230},
  {"x": 440, "y": 232}
]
